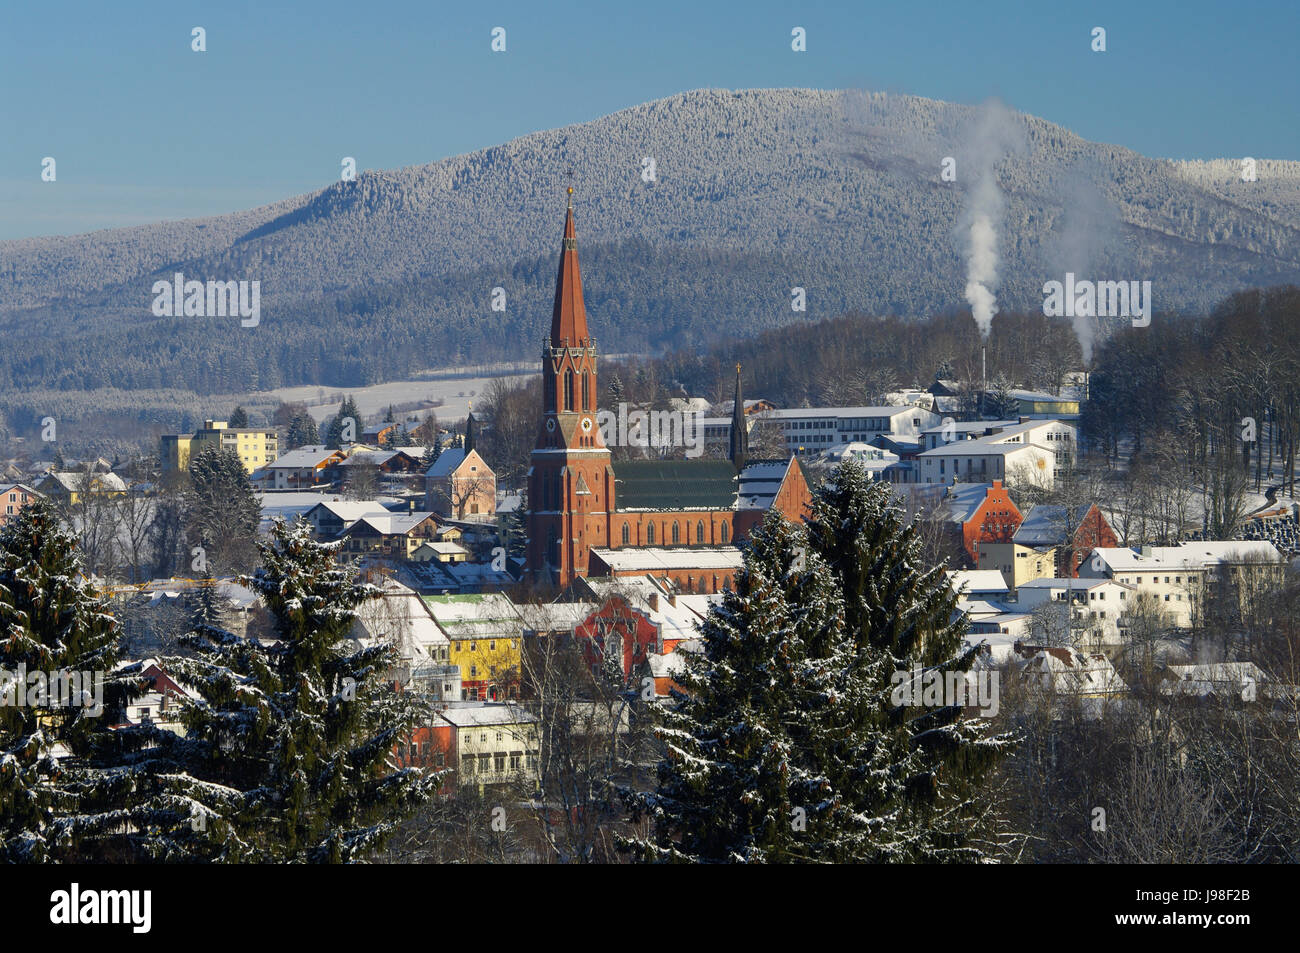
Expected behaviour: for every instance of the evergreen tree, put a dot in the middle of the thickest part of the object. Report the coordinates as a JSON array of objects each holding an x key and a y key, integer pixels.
[
  {"x": 896, "y": 605},
  {"x": 221, "y": 512},
  {"x": 515, "y": 531},
  {"x": 788, "y": 745},
  {"x": 288, "y": 755},
  {"x": 999, "y": 402},
  {"x": 209, "y": 611},
  {"x": 615, "y": 391},
  {"x": 731, "y": 780},
  {"x": 339, "y": 429},
  {"x": 50, "y": 622},
  {"x": 238, "y": 419},
  {"x": 302, "y": 432}
]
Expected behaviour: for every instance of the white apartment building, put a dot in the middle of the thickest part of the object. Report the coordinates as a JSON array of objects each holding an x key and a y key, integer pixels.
[
  {"x": 1096, "y": 604},
  {"x": 1035, "y": 452},
  {"x": 808, "y": 431}
]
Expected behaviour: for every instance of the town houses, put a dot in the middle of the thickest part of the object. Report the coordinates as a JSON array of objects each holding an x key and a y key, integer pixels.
[{"x": 589, "y": 562}]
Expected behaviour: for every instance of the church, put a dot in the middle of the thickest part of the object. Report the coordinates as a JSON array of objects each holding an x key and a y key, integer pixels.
[{"x": 681, "y": 521}]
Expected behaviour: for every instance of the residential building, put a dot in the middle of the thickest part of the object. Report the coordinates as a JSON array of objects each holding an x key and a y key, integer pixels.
[
  {"x": 303, "y": 469},
  {"x": 1096, "y": 605},
  {"x": 1070, "y": 672},
  {"x": 495, "y": 744},
  {"x": 460, "y": 484},
  {"x": 1074, "y": 532},
  {"x": 255, "y": 447},
  {"x": 68, "y": 488},
  {"x": 13, "y": 497},
  {"x": 1033, "y": 453},
  {"x": 979, "y": 513},
  {"x": 393, "y": 537},
  {"x": 484, "y": 634},
  {"x": 1017, "y": 562}
]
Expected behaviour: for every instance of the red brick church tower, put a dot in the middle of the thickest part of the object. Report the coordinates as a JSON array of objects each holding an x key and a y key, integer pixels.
[{"x": 570, "y": 481}]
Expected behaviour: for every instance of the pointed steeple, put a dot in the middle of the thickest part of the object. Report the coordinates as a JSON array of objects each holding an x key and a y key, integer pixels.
[
  {"x": 569, "y": 316},
  {"x": 739, "y": 449},
  {"x": 470, "y": 431}
]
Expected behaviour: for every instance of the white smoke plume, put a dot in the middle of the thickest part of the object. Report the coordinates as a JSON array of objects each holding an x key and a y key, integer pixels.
[
  {"x": 1088, "y": 225},
  {"x": 995, "y": 133}
]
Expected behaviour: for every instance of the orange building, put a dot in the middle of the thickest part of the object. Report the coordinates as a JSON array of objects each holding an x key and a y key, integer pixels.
[
  {"x": 689, "y": 513},
  {"x": 984, "y": 512},
  {"x": 13, "y": 497}
]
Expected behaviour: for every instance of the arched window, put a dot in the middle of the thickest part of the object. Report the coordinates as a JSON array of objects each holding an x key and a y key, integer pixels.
[
  {"x": 627, "y": 536},
  {"x": 724, "y": 532},
  {"x": 677, "y": 536},
  {"x": 650, "y": 534},
  {"x": 699, "y": 532},
  {"x": 586, "y": 392},
  {"x": 568, "y": 390}
]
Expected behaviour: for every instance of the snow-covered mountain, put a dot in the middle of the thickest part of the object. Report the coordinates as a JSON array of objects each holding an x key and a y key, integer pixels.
[{"x": 754, "y": 193}]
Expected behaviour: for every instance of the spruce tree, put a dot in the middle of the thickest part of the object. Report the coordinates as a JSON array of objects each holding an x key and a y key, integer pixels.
[
  {"x": 302, "y": 432},
  {"x": 288, "y": 753},
  {"x": 50, "y": 622},
  {"x": 209, "y": 612},
  {"x": 731, "y": 780},
  {"x": 787, "y": 745},
  {"x": 615, "y": 391},
  {"x": 238, "y": 419},
  {"x": 338, "y": 430},
  {"x": 221, "y": 512},
  {"x": 897, "y": 605}
]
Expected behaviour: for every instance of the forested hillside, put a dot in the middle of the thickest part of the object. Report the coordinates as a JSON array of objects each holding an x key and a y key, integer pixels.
[{"x": 754, "y": 193}]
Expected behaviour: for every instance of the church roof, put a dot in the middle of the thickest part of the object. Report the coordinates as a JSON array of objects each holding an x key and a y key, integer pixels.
[
  {"x": 569, "y": 314},
  {"x": 760, "y": 481},
  {"x": 674, "y": 485}
]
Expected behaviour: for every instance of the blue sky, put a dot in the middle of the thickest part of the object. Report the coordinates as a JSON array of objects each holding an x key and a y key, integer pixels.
[{"x": 144, "y": 129}]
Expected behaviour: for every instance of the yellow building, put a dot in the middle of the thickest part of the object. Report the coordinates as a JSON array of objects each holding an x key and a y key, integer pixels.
[
  {"x": 485, "y": 635},
  {"x": 256, "y": 448},
  {"x": 1018, "y": 563}
]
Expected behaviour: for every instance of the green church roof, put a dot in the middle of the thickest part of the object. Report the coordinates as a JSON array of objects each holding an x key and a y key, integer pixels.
[{"x": 674, "y": 485}]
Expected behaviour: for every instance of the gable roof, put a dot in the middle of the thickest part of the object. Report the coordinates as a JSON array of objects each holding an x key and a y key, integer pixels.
[
  {"x": 674, "y": 485},
  {"x": 1045, "y": 524},
  {"x": 74, "y": 480},
  {"x": 447, "y": 461},
  {"x": 6, "y": 487},
  {"x": 486, "y": 714},
  {"x": 311, "y": 455},
  {"x": 759, "y": 482},
  {"x": 962, "y": 501},
  {"x": 397, "y": 524}
]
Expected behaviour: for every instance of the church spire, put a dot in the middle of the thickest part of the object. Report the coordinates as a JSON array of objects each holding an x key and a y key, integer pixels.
[
  {"x": 469, "y": 431},
  {"x": 739, "y": 449},
  {"x": 569, "y": 316}
]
